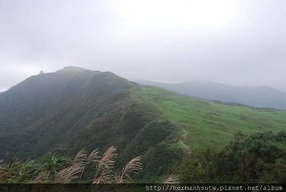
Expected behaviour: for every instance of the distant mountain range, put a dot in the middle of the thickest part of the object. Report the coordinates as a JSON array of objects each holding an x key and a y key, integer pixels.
[{"x": 260, "y": 97}]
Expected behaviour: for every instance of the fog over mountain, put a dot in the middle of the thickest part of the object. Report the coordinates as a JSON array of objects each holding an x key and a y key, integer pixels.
[{"x": 237, "y": 42}]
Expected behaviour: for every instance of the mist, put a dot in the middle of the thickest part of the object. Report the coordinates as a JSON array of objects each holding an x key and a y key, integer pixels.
[{"x": 237, "y": 42}]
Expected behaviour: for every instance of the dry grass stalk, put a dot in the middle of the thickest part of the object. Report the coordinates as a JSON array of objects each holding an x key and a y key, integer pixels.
[
  {"x": 1, "y": 165},
  {"x": 41, "y": 177},
  {"x": 68, "y": 174},
  {"x": 2, "y": 170},
  {"x": 81, "y": 157},
  {"x": 104, "y": 173},
  {"x": 108, "y": 159},
  {"x": 94, "y": 155},
  {"x": 132, "y": 167},
  {"x": 106, "y": 176},
  {"x": 173, "y": 179}
]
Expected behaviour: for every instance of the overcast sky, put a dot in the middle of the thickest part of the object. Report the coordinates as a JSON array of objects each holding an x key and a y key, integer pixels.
[{"x": 238, "y": 42}]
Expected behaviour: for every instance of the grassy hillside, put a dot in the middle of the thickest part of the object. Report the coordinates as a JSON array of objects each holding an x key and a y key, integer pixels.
[{"x": 205, "y": 123}]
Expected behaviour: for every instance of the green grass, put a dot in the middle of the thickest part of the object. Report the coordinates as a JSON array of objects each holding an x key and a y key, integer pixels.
[{"x": 206, "y": 123}]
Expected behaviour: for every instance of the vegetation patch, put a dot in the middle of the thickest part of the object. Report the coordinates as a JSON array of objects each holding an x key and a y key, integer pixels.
[{"x": 259, "y": 158}]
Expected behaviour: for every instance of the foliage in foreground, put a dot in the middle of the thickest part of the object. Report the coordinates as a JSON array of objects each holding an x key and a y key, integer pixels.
[
  {"x": 83, "y": 168},
  {"x": 259, "y": 158}
]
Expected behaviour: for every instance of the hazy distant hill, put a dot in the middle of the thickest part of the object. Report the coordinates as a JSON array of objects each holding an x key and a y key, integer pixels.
[
  {"x": 75, "y": 108},
  {"x": 262, "y": 97}
]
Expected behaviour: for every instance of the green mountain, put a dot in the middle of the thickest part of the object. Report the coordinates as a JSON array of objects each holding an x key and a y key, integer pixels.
[
  {"x": 73, "y": 108},
  {"x": 259, "y": 97}
]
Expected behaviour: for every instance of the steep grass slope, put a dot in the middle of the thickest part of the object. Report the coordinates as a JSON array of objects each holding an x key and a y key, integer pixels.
[{"x": 205, "y": 123}]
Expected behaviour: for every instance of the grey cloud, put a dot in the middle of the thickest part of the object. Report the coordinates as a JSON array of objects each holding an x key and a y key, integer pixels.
[{"x": 48, "y": 35}]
